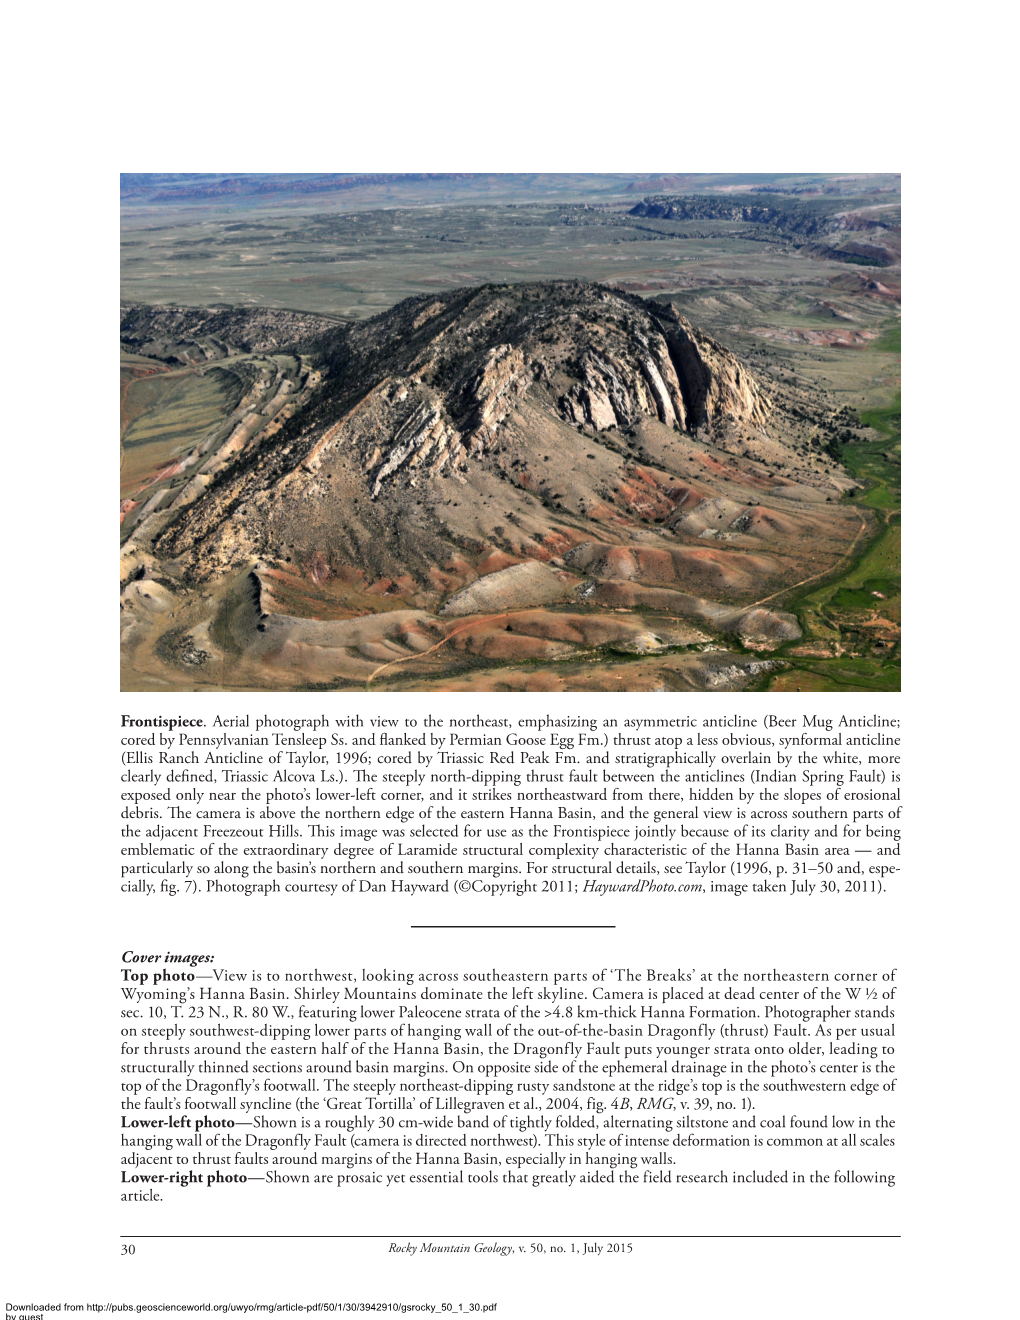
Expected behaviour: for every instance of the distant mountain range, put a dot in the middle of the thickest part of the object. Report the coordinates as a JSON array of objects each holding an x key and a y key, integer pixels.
[{"x": 176, "y": 189}]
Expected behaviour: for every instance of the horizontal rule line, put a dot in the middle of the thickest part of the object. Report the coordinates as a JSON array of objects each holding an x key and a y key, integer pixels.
[
  {"x": 513, "y": 927},
  {"x": 545, "y": 1237}
]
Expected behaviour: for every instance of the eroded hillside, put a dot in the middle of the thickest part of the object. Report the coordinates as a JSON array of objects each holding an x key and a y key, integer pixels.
[{"x": 552, "y": 486}]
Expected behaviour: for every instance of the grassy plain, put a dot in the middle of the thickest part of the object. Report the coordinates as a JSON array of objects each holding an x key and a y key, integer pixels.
[
  {"x": 164, "y": 414},
  {"x": 356, "y": 264},
  {"x": 856, "y": 614}
]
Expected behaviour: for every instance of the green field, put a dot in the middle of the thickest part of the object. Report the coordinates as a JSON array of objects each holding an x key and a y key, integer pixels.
[
  {"x": 165, "y": 415},
  {"x": 870, "y": 586},
  {"x": 890, "y": 340}
]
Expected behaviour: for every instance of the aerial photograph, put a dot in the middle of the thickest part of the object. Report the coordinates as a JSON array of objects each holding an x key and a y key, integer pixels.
[{"x": 510, "y": 432}]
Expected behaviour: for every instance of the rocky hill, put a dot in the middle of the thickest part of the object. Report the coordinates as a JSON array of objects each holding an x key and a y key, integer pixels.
[
  {"x": 190, "y": 334},
  {"x": 785, "y": 213},
  {"x": 795, "y": 220},
  {"x": 628, "y": 457},
  {"x": 436, "y": 388}
]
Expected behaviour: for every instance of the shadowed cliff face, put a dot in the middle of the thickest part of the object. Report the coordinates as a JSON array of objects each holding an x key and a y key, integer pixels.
[{"x": 601, "y": 439}]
